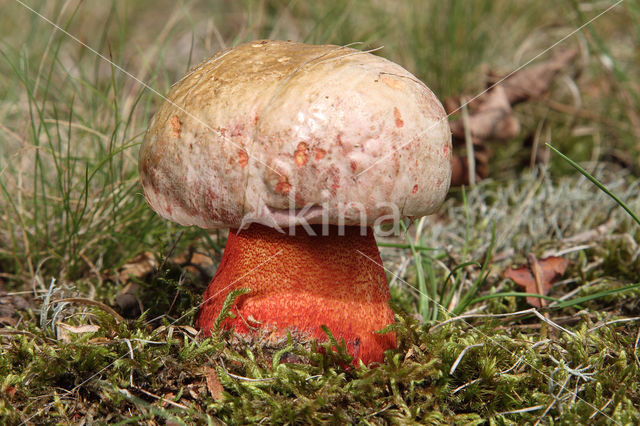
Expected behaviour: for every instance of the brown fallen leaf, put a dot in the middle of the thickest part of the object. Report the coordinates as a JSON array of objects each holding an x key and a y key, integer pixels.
[
  {"x": 138, "y": 267},
  {"x": 65, "y": 330},
  {"x": 490, "y": 116},
  {"x": 164, "y": 401},
  {"x": 11, "y": 391},
  {"x": 10, "y": 305},
  {"x": 460, "y": 168},
  {"x": 100, "y": 341},
  {"x": 492, "y": 119},
  {"x": 551, "y": 269},
  {"x": 196, "y": 263},
  {"x": 213, "y": 383},
  {"x": 534, "y": 81}
]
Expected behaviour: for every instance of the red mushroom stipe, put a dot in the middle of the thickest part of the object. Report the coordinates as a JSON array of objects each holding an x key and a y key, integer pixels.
[
  {"x": 297, "y": 149},
  {"x": 305, "y": 282}
]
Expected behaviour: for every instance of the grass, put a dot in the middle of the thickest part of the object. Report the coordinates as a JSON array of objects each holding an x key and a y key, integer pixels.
[{"x": 72, "y": 215}]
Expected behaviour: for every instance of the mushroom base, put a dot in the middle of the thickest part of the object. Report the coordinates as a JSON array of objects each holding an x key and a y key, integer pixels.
[{"x": 303, "y": 282}]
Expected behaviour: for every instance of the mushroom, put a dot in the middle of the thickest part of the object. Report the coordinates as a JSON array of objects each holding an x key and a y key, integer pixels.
[{"x": 300, "y": 150}]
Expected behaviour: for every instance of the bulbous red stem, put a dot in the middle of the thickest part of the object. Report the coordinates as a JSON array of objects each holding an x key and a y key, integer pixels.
[{"x": 302, "y": 282}]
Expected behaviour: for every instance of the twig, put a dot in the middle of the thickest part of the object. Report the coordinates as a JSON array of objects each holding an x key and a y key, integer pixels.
[
  {"x": 247, "y": 379},
  {"x": 379, "y": 411},
  {"x": 526, "y": 311},
  {"x": 553, "y": 324},
  {"x": 536, "y": 143},
  {"x": 613, "y": 322},
  {"x": 635, "y": 349},
  {"x": 128, "y": 342},
  {"x": 540, "y": 343},
  {"x": 603, "y": 407},
  {"x": 464, "y": 317},
  {"x": 578, "y": 372},
  {"x": 170, "y": 252},
  {"x": 464, "y": 351},
  {"x": 168, "y": 401},
  {"x": 560, "y": 253},
  {"x": 555, "y": 399},
  {"x": 459, "y": 388},
  {"x": 471, "y": 161},
  {"x": 562, "y": 320},
  {"x": 522, "y": 410},
  {"x": 593, "y": 234},
  {"x": 83, "y": 301},
  {"x": 515, "y": 364},
  {"x": 536, "y": 269}
]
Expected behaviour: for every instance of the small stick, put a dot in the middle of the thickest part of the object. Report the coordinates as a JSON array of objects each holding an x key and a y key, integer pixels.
[
  {"x": 471, "y": 160},
  {"x": 546, "y": 320},
  {"x": 635, "y": 349},
  {"x": 604, "y": 324},
  {"x": 83, "y": 301},
  {"x": 161, "y": 398},
  {"x": 521, "y": 410},
  {"x": 552, "y": 403},
  {"x": 132, "y": 359},
  {"x": 536, "y": 269},
  {"x": 464, "y": 351}
]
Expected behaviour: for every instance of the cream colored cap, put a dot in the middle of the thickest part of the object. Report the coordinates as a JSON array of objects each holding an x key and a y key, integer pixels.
[{"x": 279, "y": 132}]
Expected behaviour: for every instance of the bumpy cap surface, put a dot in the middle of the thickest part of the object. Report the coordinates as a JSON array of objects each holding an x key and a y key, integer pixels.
[{"x": 281, "y": 132}]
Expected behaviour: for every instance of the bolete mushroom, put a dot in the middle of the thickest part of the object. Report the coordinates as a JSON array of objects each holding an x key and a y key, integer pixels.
[{"x": 300, "y": 150}]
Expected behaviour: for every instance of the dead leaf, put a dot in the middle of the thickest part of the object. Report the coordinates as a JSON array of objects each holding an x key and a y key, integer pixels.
[
  {"x": 9, "y": 307},
  {"x": 533, "y": 82},
  {"x": 213, "y": 383},
  {"x": 460, "y": 168},
  {"x": 492, "y": 119},
  {"x": 192, "y": 392},
  {"x": 196, "y": 263},
  {"x": 11, "y": 391},
  {"x": 551, "y": 268},
  {"x": 167, "y": 397},
  {"x": 64, "y": 330},
  {"x": 490, "y": 114},
  {"x": 138, "y": 267},
  {"x": 410, "y": 354},
  {"x": 201, "y": 260},
  {"x": 192, "y": 331},
  {"x": 100, "y": 341},
  {"x": 11, "y": 322}
]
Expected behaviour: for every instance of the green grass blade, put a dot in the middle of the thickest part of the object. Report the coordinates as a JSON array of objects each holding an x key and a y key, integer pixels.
[
  {"x": 482, "y": 277},
  {"x": 511, "y": 294},
  {"x": 597, "y": 183},
  {"x": 423, "y": 302},
  {"x": 594, "y": 296}
]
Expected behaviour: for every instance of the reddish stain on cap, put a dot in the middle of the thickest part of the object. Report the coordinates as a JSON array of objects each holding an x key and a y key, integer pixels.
[
  {"x": 300, "y": 155},
  {"x": 243, "y": 158},
  {"x": 176, "y": 125},
  {"x": 398, "y": 117},
  {"x": 320, "y": 153},
  {"x": 283, "y": 185}
]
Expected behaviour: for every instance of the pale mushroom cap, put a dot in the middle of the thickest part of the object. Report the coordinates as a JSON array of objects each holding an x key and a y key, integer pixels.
[{"x": 281, "y": 133}]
